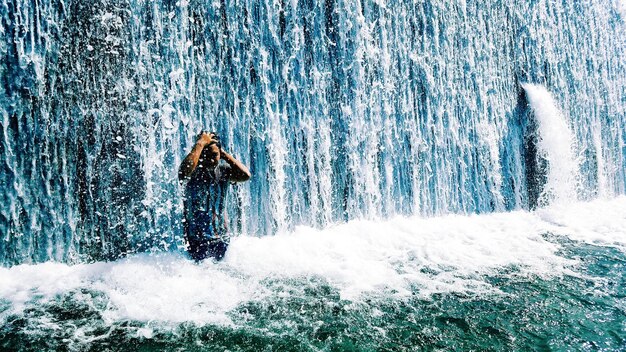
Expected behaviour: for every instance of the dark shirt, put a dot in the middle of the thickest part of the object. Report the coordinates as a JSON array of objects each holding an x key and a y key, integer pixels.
[{"x": 205, "y": 197}]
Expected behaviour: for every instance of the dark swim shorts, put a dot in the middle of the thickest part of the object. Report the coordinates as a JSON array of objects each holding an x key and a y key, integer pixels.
[{"x": 200, "y": 250}]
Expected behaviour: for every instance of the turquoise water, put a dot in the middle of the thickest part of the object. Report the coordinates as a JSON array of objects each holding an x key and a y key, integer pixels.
[{"x": 571, "y": 297}]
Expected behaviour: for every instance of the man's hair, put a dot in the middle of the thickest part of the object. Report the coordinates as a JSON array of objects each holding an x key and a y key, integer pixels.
[{"x": 218, "y": 144}]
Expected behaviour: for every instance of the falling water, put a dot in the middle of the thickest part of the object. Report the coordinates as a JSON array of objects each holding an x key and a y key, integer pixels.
[
  {"x": 555, "y": 146},
  {"x": 342, "y": 110}
]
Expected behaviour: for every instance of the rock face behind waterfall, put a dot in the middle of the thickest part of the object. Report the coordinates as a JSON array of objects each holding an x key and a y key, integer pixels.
[{"x": 342, "y": 110}]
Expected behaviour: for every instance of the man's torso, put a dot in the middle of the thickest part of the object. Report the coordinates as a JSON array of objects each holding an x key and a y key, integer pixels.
[{"x": 205, "y": 201}]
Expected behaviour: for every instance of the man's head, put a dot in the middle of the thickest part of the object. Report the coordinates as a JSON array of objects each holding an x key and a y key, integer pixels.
[{"x": 211, "y": 154}]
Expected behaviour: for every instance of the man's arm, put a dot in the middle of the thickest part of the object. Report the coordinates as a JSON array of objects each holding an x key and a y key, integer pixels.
[
  {"x": 239, "y": 172},
  {"x": 190, "y": 162}
]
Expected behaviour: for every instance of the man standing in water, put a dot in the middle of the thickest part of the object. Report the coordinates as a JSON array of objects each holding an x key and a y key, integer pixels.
[{"x": 208, "y": 169}]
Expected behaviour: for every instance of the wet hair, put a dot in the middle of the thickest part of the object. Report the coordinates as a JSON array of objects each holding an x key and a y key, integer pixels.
[
  {"x": 206, "y": 149},
  {"x": 218, "y": 144}
]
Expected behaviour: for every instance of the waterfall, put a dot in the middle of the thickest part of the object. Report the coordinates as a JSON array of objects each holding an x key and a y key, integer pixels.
[
  {"x": 555, "y": 144},
  {"x": 341, "y": 110}
]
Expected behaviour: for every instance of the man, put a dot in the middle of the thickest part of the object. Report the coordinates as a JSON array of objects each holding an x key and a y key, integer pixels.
[{"x": 208, "y": 170}]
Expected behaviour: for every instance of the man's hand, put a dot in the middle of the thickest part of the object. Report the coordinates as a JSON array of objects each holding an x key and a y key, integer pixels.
[
  {"x": 205, "y": 138},
  {"x": 189, "y": 164}
]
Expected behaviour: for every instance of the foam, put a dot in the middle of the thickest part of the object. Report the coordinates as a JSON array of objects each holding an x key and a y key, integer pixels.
[
  {"x": 600, "y": 222},
  {"x": 395, "y": 257}
]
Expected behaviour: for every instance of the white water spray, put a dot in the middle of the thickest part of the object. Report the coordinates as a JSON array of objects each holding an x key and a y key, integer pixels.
[
  {"x": 620, "y": 6},
  {"x": 555, "y": 143},
  {"x": 398, "y": 257}
]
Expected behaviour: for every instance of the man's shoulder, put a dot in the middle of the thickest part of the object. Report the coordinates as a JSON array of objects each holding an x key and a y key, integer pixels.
[
  {"x": 224, "y": 168},
  {"x": 223, "y": 164}
]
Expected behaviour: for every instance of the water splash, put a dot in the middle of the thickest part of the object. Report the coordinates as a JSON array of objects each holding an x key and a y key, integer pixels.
[
  {"x": 620, "y": 5},
  {"x": 451, "y": 254}
]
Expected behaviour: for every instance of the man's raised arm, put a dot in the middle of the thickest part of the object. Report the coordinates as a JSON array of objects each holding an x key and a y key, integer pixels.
[
  {"x": 239, "y": 172},
  {"x": 190, "y": 162}
]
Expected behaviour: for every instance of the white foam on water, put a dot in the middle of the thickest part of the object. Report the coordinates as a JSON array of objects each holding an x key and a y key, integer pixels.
[
  {"x": 556, "y": 145},
  {"x": 600, "y": 222},
  {"x": 394, "y": 257},
  {"x": 165, "y": 287}
]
